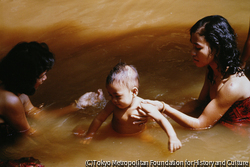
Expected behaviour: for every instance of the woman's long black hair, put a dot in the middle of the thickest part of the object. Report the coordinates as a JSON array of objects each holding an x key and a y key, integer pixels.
[
  {"x": 222, "y": 38},
  {"x": 22, "y": 66}
]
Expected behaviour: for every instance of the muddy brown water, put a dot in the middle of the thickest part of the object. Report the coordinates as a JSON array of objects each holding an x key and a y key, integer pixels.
[{"x": 88, "y": 38}]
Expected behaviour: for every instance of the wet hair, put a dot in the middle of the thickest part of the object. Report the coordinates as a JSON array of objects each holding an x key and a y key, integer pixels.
[
  {"x": 222, "y": 40},
  {"x": 22, "y": 66},
  {"x": 124, "y": 74}
]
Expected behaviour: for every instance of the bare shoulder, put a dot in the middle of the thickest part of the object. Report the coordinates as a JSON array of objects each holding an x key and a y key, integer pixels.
[
  {"x": 138, "y": 100},
  {"x": 8, "y": 98},
  {"x": 133, "y": 109},
  {"x": 136, "y": 103},
  {"x": 9, "y": 102},
  {"x": 236, "y": 88}
]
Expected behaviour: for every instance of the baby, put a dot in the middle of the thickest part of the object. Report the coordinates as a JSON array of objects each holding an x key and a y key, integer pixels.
[{"x": 122, "y": 85}]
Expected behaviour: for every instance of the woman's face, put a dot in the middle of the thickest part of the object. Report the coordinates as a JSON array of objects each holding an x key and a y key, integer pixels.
[
  {"x": 201, "y": 51},
  {"x": 41, "y": 79}
]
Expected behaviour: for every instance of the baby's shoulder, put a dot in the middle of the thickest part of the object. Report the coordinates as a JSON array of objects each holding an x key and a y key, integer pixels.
[
  {"x": 137, "y": 102},
  {"x": 135, "y": 105},
  {"x": 138, "y": 99}
]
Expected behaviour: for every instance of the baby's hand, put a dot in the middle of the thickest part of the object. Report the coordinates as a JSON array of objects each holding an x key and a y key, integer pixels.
[
  {"x": 90, "y": 99},
  {"x": 174, "y": 144},
  {"x": 80, "y": 132}
]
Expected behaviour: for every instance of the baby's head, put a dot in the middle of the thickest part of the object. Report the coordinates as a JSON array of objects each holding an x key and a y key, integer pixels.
[
  {"x": 123, "y": 74},
  {"x": 122, "y": 84}
]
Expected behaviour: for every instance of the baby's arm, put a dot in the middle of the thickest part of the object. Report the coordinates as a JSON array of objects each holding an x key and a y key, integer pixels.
[
  {"x": 98, "y": 120},
  {"x": 174, "y": 143}
]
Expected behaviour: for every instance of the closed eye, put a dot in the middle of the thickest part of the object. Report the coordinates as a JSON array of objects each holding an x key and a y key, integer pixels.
[
  {"x": 197, "y": 48},
  {"x": 118, "y": 97}
]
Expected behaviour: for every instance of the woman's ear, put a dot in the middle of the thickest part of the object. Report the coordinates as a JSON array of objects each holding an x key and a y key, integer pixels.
[{"x": 135, "y": 91}]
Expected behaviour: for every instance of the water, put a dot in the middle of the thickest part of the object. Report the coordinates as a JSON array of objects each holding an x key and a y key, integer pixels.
[{"x": 88, "y": 38}]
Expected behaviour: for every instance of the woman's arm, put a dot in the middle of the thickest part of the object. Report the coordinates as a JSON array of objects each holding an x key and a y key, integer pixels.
[
  {"x": 188, "y": 107},
  {"x": 88, "y": 99},
  {"x": 33, "y": 111},
  {"x": 215, "y": 109},
  {"x": 14, "y": 114},
  {"x": 212, "y": 113},
  {"x": 28, "y": 106}
]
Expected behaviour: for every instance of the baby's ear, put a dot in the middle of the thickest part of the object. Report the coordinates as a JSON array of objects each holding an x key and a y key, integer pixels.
[{"x": 135, "y": 91}]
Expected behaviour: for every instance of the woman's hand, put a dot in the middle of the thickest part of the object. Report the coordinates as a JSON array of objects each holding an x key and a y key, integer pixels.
[
  {"x": 159, "y": 105},
  {"x": 140, "y": 118},
  {"x": 91, "y": 99},
  {"x": 143, "y": 111}
]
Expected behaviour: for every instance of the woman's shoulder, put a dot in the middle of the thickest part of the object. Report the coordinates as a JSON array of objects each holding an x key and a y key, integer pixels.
[
  {"x": 8, "y": 98},
  {"x": 237, "y": 87}
]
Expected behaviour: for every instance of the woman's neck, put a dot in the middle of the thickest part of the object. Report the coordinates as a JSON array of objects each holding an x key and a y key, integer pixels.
[
  {"x": 216, "y": 70},
  {"x": 216, "y": 73}
]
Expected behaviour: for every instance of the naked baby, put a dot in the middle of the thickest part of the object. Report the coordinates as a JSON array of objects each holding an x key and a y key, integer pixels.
[{"x": 122, "y": 85}]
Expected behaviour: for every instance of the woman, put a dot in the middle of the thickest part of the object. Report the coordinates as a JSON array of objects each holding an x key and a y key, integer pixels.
[
  {"x": 22, "y": 70},
  {"x": 226, "y": 90}
]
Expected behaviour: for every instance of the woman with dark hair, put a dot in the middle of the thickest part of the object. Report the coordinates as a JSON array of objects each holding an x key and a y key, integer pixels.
[
  {"x": 22, "y": 70},
  {"x": 226, "y": 91},
  {"x": 24, "y": 65}
]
